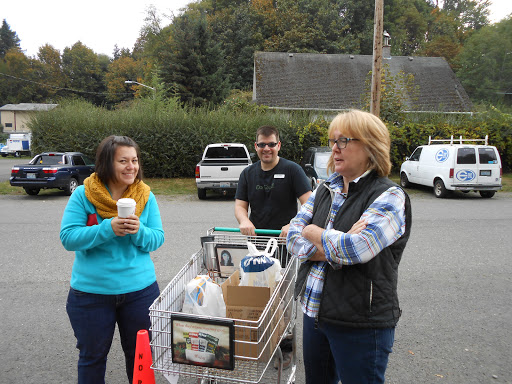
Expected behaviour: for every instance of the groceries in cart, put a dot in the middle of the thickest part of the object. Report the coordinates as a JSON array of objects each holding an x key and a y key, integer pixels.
[
  {"x": 256, "y": 319},
  {"x": 201, "y": 346},
  {"x": 259, "y": 268},
  {"x": 204, "y": 297}
]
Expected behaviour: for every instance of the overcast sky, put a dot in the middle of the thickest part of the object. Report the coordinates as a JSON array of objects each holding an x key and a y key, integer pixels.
[{"x": 100, "y": 25}]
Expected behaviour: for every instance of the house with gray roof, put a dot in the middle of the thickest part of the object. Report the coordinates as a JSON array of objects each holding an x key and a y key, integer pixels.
[
  {"x": 338, "y": 82},
  {"x": 15, "y": 117}
]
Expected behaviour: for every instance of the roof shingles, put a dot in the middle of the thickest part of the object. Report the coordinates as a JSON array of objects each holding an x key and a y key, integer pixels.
[{"x": 320, "y": 81}]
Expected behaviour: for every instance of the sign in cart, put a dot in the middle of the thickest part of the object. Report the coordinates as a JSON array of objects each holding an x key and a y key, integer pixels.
[{"x": 203, "y": 342}]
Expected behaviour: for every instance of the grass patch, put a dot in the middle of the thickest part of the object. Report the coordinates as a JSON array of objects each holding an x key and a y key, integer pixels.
[
  {"x": 167, "y": 187},
  {"x": 187, "y": 186},
  {"x": 172, "y": 187},
  {"x": 506, "y": 181},
  {"x": 6, "y": 189}
]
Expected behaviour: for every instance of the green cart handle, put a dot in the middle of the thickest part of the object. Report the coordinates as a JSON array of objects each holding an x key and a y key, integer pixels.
[{"x": 276, "y": 232}]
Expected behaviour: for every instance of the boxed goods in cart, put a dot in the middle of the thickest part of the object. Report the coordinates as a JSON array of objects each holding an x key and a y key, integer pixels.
[{"x": 242, "y": 345}]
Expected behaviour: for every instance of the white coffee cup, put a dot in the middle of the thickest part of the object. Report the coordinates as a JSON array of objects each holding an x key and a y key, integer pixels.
[{"x": 125, "y": 207}]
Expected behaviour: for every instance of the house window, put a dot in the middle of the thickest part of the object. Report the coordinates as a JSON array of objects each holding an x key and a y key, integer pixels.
[{"x": 8, "y": 125}]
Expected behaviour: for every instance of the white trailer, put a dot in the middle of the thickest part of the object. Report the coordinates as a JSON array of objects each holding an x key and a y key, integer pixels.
[{"x": 17, "y": 144}]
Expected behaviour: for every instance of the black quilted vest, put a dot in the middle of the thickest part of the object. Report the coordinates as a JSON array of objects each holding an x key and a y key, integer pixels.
[{"x": 360, "y": 295}]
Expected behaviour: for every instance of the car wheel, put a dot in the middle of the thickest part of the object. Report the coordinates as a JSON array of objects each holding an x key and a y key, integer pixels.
[
  {"x": 439, "y": 189},
  {"x": 72, "y": 185},
  {"x": 487, "y": 194},
  {"x": 31, "y": 191},
  {"x": 404, "y": 181},
  {"x": 201, "y": 193}
]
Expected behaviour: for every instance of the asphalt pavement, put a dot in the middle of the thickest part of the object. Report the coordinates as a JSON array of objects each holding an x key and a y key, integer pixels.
[
  {"x": 454, "y": 288},
  {"x": 6, "y": 166}
]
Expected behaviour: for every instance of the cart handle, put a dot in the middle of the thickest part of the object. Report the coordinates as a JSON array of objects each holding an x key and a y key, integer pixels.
[{"x": 257, "y": 231}]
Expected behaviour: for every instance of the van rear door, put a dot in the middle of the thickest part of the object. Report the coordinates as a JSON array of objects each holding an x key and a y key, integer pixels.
[
  {"x": 489, "y": 171},
  {"x": 466, "y": 169}
]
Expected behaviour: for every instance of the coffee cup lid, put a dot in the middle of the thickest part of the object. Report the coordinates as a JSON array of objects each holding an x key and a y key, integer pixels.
[{"x": 126, "y": 202}]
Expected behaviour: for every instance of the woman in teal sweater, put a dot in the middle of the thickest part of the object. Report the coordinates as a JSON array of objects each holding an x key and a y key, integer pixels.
[{"x": 113, "y": 278}]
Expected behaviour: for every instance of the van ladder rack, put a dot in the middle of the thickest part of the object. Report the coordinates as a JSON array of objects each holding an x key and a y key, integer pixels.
[{"x": 460, "y": 141}]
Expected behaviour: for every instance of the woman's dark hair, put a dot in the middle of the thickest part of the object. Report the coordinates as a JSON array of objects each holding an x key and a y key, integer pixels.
[{"x": 105, "y": 153}]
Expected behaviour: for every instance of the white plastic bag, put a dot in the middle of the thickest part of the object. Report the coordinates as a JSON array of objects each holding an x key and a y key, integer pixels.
[
  {"x": 204, "y": 297},
  {"x": 259, "y": 268}
]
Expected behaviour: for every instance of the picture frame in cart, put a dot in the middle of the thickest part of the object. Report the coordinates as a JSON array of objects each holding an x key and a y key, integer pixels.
[
  {"x": 229, "y": 257},
  {"x": 203, "y": 342}
]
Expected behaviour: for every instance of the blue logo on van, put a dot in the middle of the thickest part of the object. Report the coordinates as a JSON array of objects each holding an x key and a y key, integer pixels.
[
  {"x": 442, "y": 155},
  {"x": 465, "y": 175}
]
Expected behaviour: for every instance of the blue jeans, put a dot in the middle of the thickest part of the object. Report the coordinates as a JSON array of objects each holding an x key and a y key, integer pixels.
[
  {"x": 352, "y": 355},
  {"x": 94, "y": 317}
]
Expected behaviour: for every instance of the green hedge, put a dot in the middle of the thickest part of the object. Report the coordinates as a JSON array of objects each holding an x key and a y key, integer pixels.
[{"x": 172, "y": 138}]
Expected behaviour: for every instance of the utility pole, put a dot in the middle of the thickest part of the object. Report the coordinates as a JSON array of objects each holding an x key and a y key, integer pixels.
[{"x": 377, "y": 57}]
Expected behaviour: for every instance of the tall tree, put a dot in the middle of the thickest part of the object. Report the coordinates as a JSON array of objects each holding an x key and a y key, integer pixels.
[
  {"x": 8, "y": 39},
  {"x": 120, "y": 70},
  {"x": 472, "y": 14},
  {"x": 84, "y": 72},
  {"x": 192, "y": 65},
  {"x": 239, "y": 32},
  {"x": 407, "y": 22},
  {"x": 17, "y": 85},
  {"x": 50, "y": 70},
  {"x": 485, "y": 62}
]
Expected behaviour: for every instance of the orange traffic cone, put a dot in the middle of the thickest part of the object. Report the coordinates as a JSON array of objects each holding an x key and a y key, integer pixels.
[{"x": 142, "y": 372}]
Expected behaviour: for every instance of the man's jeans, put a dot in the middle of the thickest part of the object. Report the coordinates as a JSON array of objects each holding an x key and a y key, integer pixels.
[
  {"x": 94, "y": 317},
  {"x": 352, "y": 355}
]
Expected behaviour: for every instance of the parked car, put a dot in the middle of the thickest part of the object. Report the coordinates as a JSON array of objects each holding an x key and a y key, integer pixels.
[
  {"x": 314, "y": 163},
  {"x": 455, "y": 165},
  {"x": 63, "y": 170},
  {"x": 220, "y": 168}
]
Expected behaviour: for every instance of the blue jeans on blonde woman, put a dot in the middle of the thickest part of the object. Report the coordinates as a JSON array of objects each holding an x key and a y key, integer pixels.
[
  {"x": 94, "y": 317},
  {"x": 352, "y": 355}
]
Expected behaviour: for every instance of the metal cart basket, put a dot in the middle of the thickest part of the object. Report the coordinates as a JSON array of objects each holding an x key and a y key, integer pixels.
[{"x": 257, "y": 342}]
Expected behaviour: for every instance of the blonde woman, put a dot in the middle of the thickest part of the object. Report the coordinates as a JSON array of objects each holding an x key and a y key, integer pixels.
[{"x": 349, "y": 238}]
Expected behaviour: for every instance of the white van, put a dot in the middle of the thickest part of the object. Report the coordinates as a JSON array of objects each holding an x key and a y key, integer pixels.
[{"x": 454, "y": 166}]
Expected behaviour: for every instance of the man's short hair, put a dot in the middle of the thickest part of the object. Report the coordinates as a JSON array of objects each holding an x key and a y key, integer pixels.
[{"x": 267, "y": 130}]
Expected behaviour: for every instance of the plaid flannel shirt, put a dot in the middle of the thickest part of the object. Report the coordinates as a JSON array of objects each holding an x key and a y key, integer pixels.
[{"x": 386, "y": 223}]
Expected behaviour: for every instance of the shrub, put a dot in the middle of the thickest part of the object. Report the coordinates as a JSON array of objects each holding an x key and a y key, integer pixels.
[{"x": 172, "y": 138}]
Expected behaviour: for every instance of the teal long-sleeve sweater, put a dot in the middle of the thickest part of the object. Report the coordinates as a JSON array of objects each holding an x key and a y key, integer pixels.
[{"x": 105, "y": 263}]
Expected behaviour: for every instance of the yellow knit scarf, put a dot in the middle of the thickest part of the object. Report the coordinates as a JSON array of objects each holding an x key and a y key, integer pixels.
[{"x": 98, "y": 194}]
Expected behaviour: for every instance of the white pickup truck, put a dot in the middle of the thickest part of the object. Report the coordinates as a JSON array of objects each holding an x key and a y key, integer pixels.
[{"x": 220, "y": 168}]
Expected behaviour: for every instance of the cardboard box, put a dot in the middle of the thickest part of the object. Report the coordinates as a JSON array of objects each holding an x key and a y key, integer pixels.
[
  {"x": 248, "y": 303},
  {"x": 245, "y": 303}
]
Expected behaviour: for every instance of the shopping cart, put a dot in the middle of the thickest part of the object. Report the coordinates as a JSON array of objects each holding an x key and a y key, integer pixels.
[{"x": 257, "y": 342}]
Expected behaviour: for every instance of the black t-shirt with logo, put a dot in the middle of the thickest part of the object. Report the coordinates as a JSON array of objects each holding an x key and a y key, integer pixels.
[{"x": 272, "y": 195}]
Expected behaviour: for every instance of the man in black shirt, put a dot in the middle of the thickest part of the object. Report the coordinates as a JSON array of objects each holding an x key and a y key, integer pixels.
[{"x": 270, "y": 187}]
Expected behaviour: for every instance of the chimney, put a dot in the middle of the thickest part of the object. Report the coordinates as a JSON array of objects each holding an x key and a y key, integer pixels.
[{"x": 386, "y": 47}]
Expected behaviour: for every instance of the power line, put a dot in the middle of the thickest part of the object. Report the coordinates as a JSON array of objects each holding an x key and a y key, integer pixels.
[{"x": 63, "y": 89}]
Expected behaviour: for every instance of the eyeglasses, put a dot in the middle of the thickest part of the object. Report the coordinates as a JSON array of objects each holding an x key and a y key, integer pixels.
[
  {"x": 263, "y": 145},
  {"x": 341, "y": 142}
]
